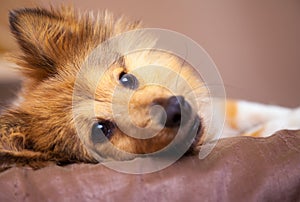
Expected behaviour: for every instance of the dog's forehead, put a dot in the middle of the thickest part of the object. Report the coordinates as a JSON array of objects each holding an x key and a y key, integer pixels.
[
  {"x": 148, "y": 58},
  {"x": 163, "y": 66}
]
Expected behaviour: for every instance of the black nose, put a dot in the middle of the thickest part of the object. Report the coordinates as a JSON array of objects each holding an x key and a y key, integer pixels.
[{"x": 176, "y": 109}]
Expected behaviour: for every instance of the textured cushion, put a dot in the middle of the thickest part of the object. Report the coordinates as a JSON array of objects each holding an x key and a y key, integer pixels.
[{"x": 238, "y": 169}]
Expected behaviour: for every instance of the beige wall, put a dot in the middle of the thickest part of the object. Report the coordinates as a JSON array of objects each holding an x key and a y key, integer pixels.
[{"x": 255, "y": 43}]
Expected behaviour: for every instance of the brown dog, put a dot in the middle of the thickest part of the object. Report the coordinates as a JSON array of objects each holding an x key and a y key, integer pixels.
[{"x": 43, "y": 127}]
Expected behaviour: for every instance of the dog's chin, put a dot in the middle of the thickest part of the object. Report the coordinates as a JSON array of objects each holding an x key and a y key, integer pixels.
[{"x": 198, "y": 128}]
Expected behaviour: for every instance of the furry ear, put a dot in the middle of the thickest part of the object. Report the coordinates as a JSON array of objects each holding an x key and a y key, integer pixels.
[
  {"x": 48, "y": 38},
  {"x": 33, "y": 29}
]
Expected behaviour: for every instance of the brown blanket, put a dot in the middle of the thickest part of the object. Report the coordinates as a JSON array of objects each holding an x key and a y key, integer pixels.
[{"x": 238, "y": 169}]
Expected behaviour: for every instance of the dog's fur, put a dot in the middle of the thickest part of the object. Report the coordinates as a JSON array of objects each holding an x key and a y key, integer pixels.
[{"x": 54, "y": 44}]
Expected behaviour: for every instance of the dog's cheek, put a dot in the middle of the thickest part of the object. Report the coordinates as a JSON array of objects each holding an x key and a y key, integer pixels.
[{"x": 123, "y": 142}]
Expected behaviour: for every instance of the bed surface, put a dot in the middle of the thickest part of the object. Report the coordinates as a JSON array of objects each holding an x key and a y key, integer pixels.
[{"x": 238, "y": 169}]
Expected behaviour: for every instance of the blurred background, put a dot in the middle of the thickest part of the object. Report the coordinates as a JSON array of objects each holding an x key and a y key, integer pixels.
[{"x": 254, "y": 43}]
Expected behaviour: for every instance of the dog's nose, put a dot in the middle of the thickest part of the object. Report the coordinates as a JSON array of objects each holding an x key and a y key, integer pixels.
[{"x": 176, "y": 108}]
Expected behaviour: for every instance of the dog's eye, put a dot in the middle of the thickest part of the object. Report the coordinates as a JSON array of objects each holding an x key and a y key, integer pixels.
[
  {"x": 102, "y": 131},
  {"x": 129, "y": 81}
]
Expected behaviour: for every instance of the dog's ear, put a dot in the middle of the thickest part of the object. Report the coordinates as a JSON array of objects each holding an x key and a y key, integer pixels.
[
  {"x": 43, "y": 36},
  {"x": 50, "y": 39},
  {"x": 33, "y": 28}
]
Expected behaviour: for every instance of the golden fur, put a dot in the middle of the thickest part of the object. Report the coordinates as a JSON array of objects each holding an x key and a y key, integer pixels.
[{"x": 55, "y": 44}]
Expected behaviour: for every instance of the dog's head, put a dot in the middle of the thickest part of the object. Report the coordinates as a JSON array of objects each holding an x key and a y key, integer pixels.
[{"x": 115, "y": 104}]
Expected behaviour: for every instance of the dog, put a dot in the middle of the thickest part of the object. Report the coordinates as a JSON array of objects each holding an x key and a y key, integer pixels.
[
  {"x": 66, "y": 115},
  {"x": 41, "y": 127}
]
